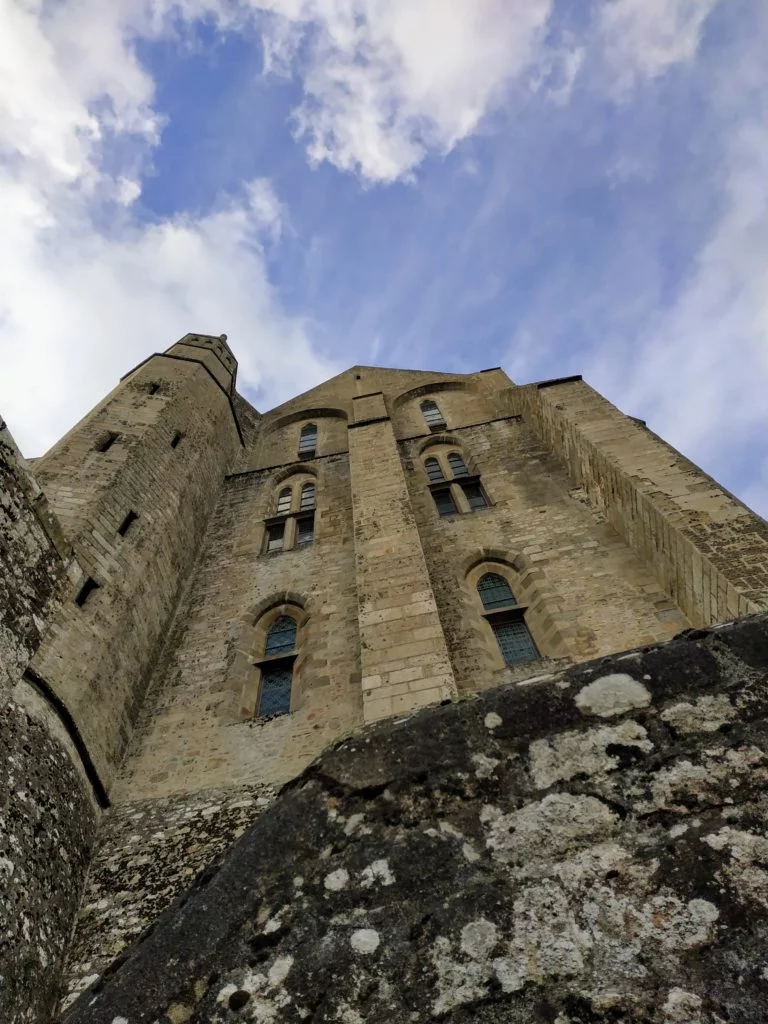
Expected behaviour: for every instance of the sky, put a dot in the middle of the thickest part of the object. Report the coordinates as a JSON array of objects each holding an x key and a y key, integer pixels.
[{"x": 552, "y": 186}]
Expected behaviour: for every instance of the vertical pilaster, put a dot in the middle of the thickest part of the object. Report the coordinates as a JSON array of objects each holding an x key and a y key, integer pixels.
[{"x": 405, "y": 662}]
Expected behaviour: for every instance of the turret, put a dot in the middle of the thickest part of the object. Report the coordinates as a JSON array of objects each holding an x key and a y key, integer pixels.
[{"x": 133, "y": 485}]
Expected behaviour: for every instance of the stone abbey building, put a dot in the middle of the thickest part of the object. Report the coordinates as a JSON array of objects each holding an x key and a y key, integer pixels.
[{"x": 198, "y": 599}]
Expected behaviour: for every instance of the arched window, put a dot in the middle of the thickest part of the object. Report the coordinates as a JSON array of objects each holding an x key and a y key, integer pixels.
[
  {"x": 506, "y": 620},
  {"x": 307, "y": 498},
  {"x": 308, "y": 441},
  {"x": 458, "y": 468},
  {"x": 432, "y": 415},
  {"x": 281, "y": 636},
  {"x": 434, "y": 472},
  {"x": 495, "y": 592},
  {"x": 277, "y": 674},
  {"x": 284, "y": 502}
]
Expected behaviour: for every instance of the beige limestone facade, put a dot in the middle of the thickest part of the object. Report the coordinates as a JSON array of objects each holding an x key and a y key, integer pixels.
[{"x": 367, "y": 512}]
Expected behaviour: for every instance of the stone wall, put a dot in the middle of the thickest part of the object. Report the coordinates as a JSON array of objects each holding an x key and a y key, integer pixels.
[
  {"x": 148, "y": 852},
  {"x": 196, "y": 731},
  {"x": 707, "y": 549},
  {"x": 35, "y": 562},
  {"x": 585, "y": 849},
  {"x": 587, "y": 592},
  {"x": 176, "y": 439},
  {"x": 47, "y": 811}
]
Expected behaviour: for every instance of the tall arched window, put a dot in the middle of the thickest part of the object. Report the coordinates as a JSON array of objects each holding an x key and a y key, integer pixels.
[
  {"x": 277, "y": 674},
  {"x": 307, "y": 498},
  {"x": 432, "y": 415},
  {"x": 506, "y": 619},
  {"x": 495, "y": 592},
  {"x": 458, "y": 468},
  {"x": 284, "y": 502},
  {"x": 434, "y": 472},
  {"x": 308, "y": 441}
]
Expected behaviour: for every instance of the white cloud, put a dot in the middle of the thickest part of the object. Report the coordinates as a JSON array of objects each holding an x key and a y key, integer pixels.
[
  {"x": 644, "y": 38},
  {"x": 86, "y": 289},
  {"x": 699, "y": 371}
]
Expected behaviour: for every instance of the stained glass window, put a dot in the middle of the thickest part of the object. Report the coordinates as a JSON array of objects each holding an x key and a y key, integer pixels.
[
  {"x": 515, "y": 641},
  {"x": 275, "y": 694},
  {"x": 281, "y": 638},
  {"x": 494, "y": 591}
]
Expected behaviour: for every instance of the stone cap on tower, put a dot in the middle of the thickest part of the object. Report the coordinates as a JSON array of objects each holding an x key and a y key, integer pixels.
[{"x": 223, "y": 366}]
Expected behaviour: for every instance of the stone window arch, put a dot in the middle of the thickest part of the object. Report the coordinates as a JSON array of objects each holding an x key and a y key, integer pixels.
[
  {"x": 430, "y": 410},
  {"x": 308, "y": 441},
  {"x": 269, "y": 657},
  {"x": 283, "y": 506},
  {"x": 293, "y": 523},
  {"x": 454, "y": 488},
  {"x": 506, "y": 619}
]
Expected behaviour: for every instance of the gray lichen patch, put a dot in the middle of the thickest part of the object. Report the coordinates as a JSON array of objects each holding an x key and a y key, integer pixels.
[
  {"x": 611, "y": 695},
  {"x": 706, "y": 714},
  {"x": 584, "y": 753}
]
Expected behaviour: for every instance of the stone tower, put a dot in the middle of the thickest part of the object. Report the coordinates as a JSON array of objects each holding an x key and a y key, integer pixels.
[{"x": 200, "y": 599}]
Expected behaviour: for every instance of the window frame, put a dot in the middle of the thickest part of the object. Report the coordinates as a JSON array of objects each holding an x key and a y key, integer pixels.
[
  {"x": 308, "y": 430},
  {"x": 437, "y": 422},
  {"x": 444, "y": 488},
  {"x": 280, "y": 661},
  {"x": 441, "y": 479},
  {"x": 269, "y": 526},
  {"x": 281, "y": 495}
]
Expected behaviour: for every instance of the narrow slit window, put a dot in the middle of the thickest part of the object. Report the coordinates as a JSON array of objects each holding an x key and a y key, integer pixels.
[
  {"x": 444, "y": 501},
  {"x": 85, "y": 591},
  {"x": 275, "y": 691},
  {"x": 495, "y": 592},
  {"x": 305, "y": 530},
  {"x": 106, "y": 441},
  {"x": 307, "y": 441},
  {"x": 284, "y": 502},
  {"x": 515, "y": 641},
  {"x": 432, "y": 415},
  {"x": 434, "y": 472},
  {"x": 281, "y": 638},
  {"x": 307, "y": 498},
  {"x": 475, "y": 496},
  {"x": 275, "y": 534},
  {"x": 458, "y": 467},
  {"x": 176, "y": 438},
  {"x": 127, "y": 523}
]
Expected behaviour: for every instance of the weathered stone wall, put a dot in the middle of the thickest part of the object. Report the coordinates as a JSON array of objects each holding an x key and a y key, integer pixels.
[
  {"x": 405, "y": 662},
  {"x": 588, "y": 594},
  {"x": 35, "y": 561},
  {"x": 587, "y": 849},
  {"x": 47, "y": 813},
  {"x": 97, "y": 656},
  {"x": 148, "y": 852},
  {"x": 196, "y": 732},
  {"x": 707, "y": 549}
]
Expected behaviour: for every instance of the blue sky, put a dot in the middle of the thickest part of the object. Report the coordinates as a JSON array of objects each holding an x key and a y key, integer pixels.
[{"x": 549, "y": 186}]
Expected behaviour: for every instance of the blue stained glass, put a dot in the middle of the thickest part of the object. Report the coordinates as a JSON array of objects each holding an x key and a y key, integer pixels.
[
  {"x": 275, "y": 696},
  {"x": 495, "y": 591},
  {"x": 515, "y": 641},
  {"x": 281, "y": 638}
]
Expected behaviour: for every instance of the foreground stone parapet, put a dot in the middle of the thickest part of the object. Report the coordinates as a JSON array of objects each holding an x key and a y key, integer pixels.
[{"x": 592, "y": 847}]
